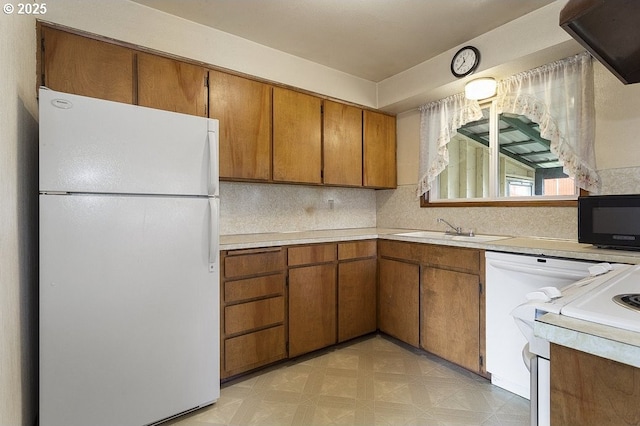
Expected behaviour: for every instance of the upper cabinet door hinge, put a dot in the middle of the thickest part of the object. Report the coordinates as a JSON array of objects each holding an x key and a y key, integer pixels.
[
  {"x": 206, "y": 80},
  {"x": 480, "y": 287}
]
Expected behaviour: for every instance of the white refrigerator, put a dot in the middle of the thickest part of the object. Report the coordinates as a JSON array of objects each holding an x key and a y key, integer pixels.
[{"x": 129, "y": 267}]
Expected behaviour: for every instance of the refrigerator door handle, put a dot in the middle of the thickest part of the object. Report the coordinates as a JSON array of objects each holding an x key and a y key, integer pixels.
[
  {"x": 214, "y": 230},
  {"x": 212, "y": 144}
]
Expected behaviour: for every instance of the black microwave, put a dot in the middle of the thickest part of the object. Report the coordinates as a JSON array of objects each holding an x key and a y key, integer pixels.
[{"x": 611, "y": 221}]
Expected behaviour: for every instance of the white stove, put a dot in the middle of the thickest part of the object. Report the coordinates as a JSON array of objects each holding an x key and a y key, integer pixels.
[
  {"x": 551, "y": 300},
  {"x": 613, "y": 301},
  {"x": 606, "y": 297}
]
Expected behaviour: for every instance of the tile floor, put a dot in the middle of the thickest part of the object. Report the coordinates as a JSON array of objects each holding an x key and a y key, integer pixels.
[{"x": 374, "y": 381}]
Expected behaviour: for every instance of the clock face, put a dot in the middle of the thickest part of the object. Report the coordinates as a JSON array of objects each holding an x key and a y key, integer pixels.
[{"x": 465, "y": 61}]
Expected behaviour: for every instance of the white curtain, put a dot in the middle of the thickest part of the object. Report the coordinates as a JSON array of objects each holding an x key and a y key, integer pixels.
[
  {"x": 558, "y": 96},
  {"x": 439, "y": 122}
]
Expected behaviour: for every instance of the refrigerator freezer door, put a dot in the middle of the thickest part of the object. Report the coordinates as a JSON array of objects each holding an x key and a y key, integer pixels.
[
  {"x": 129, "y": 310},
  {"x": 95, "y": 146}
]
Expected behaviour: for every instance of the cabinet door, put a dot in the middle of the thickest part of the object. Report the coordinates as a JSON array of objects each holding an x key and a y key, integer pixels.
[
  {"x": 450, "y": 320},
  {"x": 342, "y": 144},
  {"x": 312, "y": 308},
  {"x": 82, "y": 66},
  {"x": 589, "y": 390},
  {"x": 243, "y": 108},
  {"x": 297, "y": 142},
  {"x": 398, "y": 311},
  {"x": 172, "y": 85},
  {"x": 356, "y": 298},
  {"x": 379, "y": 150}
]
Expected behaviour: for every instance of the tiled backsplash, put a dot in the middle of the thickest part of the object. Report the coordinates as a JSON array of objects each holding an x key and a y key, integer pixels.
[
  {"x": 401, "y": 209},
  {"x": 255, "y": 208}
]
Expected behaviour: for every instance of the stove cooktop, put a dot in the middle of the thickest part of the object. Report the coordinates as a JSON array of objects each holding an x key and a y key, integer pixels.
[{"x": 610, "y": 302}]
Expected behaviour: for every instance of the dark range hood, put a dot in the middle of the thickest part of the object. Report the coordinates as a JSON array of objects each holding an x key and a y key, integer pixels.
[{"x": 610, "y": 31}]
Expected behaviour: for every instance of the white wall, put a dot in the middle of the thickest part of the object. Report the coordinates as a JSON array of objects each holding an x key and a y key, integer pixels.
[{"x": 18, "y": 221}]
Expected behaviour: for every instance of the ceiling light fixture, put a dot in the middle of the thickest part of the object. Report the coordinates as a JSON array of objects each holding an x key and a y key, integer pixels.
[{"x": 480, "y": 88}]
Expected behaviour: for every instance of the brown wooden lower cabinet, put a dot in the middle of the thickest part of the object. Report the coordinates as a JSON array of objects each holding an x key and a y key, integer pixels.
[
  {"x": 312, "y": 308},
  {"x": 450, "y": 323},
  {"x": 356, "y": 298},
  {"x": 430, "y": 296},
  {"x": 590, "y": 390},
  {"x": 253, "y": 309},
  {"x": 398, "y": 309},
  {"x": 280, "y": 303}
]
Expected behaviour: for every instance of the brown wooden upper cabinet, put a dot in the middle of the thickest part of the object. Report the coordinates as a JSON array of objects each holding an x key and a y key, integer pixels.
[
  {"x": 379, "y": 149},
  {"x": 164, "y": 83},
  {"x": 83, "y": 66},
  {"x": 267, "y": 133},
  {"x": 243, "y": 108},
  {"x": 297, "y": 137},
  {"x": 342, "y": 147}
]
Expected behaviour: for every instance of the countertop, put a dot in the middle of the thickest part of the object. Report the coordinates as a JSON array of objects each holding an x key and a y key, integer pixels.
[
  {"x": 596, "y": 339},
  {"x": 604, "y": 341},
  {"x": 570, "y": 249}
]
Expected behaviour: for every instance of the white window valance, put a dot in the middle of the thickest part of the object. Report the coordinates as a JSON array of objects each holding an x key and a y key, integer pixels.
[{"x": 558, "y": 96}]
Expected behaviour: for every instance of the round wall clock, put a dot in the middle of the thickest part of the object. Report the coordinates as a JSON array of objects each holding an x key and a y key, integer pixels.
[{"x": 465, "y": 61}]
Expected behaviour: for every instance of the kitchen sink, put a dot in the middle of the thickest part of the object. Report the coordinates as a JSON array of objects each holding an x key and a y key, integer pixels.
[{"x": 437, "y": 235}]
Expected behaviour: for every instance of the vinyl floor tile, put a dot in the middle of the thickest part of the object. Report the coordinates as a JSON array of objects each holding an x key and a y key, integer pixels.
[{"x": 372, "y": 381}]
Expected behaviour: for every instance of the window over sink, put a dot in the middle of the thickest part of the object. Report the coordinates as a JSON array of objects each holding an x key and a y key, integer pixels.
[
  {"x": 532, "y": 144},
  {"x": 524, "y": 167}
]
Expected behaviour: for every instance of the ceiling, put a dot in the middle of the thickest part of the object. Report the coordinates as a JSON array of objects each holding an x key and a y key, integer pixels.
[{"x": 370, "y": 39}]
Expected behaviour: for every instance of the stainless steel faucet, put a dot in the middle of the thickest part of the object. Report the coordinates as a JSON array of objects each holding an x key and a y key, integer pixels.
[{"x": 455, "y": 230}]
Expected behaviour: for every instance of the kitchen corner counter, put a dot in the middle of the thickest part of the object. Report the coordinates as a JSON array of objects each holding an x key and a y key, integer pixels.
[
  {"x": 570, "y": 249},
  {"x": 606, "y": 342}
]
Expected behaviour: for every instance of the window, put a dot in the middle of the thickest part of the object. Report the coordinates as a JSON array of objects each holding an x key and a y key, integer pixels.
[
  {"x": 532, "y": 142},
  {"x": 525, "y": 166}
]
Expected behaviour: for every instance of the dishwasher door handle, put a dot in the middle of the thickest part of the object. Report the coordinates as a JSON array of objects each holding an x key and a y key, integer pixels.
[{"x": 533, "y": 270}]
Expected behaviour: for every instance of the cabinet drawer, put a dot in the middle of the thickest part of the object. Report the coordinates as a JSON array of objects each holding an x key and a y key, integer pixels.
[
  {"x": 253, "y": 263},
  {"x": 356, "y": 250},
  {"x": 454, "y": 257},
  {"x": 252, "y": 315},
  {"x": 253, "y": 350},
  {"x": 410, "y": 252},
  {"x": 252, "y": 288},
  {"x": 305, "y": 255}
]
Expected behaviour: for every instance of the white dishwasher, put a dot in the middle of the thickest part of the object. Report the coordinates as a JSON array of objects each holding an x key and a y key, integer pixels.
[{"x": 509, "y": 277}]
